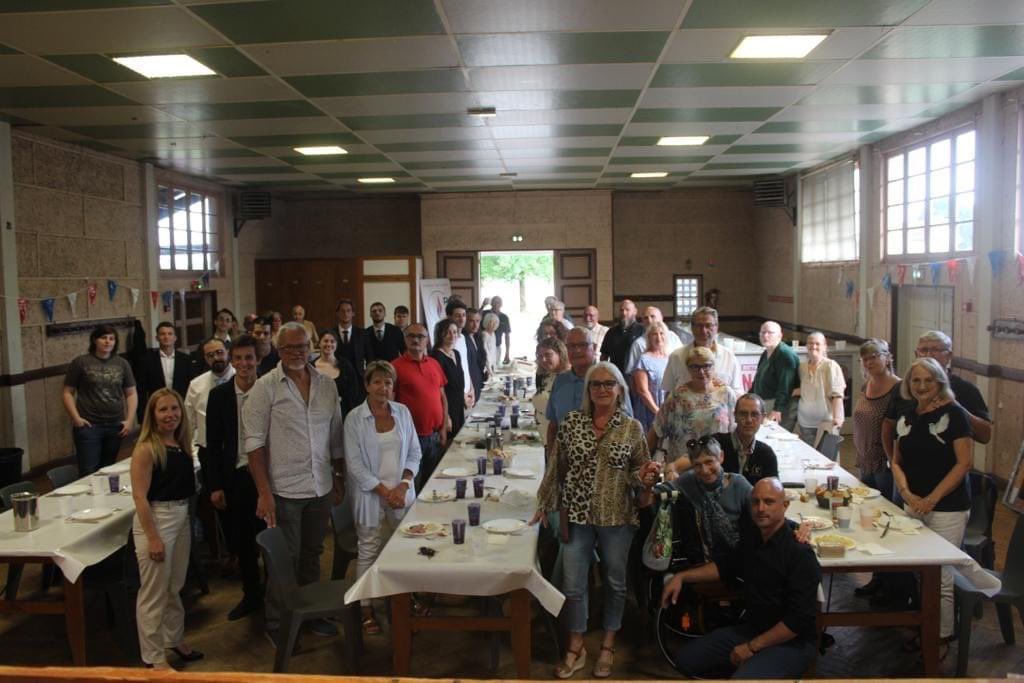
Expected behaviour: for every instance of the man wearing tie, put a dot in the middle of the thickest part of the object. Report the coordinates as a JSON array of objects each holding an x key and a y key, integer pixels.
[
  {"x": 386, "y": 340},
  {"x": 165, "y": 366},
  {"x": 475, "y": 353},
  {"x": 353, "y": 342}
]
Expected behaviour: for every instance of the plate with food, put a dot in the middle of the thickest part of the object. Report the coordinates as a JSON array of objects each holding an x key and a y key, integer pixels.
[
  {"x": 836, "y": 539},
  {"x": 865, "y": 492},
  {"x": 526, "y": 437},
  {"x": 421, "y": 529},
  {"x": 435, "y": 496},
  {"x": 504, "y": 526},
  {"x": 817, "y": 523},
  {"x": 454, "y": 472}
]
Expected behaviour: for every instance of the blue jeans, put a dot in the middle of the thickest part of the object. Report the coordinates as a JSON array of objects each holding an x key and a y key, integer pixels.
[
  {"x": 96, "y": 446},
  {"x": 879, "y": 479},
  {"x": 613, "y": 545},
  {"x": 430, "y": 448},
  {"x": 709, "y": 656}
]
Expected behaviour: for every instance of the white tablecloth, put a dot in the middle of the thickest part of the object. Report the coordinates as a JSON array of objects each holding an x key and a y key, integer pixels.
[
  {"x": 477, "y": 567},
  {"x": 923, "y": 548}
]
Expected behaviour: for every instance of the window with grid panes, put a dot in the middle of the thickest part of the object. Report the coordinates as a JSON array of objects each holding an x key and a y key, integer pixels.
[
  {"x": 188, "y": 229},
  {"x": 929, "y": 197},
  {"x": 829, "y": 214},
  {"x": 687, "y": 295}
]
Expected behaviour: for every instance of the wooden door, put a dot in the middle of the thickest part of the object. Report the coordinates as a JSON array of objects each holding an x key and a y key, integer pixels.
[
  {"x": 316, "y": 284},
  {"x": 462, "y": 268},
  {"x": 576, "y": 279}
]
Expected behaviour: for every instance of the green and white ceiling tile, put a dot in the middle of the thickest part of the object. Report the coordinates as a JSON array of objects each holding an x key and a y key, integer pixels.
[{"x": 583, "y": 88}]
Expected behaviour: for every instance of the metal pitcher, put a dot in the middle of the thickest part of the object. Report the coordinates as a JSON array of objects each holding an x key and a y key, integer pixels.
[{"x": 26, "y": 511}]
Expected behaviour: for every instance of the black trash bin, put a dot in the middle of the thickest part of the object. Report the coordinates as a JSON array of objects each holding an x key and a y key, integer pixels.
[{"x": 10, "y": 466}]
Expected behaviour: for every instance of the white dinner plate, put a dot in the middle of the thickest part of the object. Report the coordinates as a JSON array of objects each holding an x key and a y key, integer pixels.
[
  {"x": 117, "y": 468},
  {"x": 454, "y": 472},
  {"x": 899, "y": 523},
  {"x": 519, "y": 473},
  {"x": 434, "y": 496},
  {"x": 92, "y": 514},
  {"x": 818, "y": 523},
  {"x": 504, "y": 526},
  {"x": 420, "y": 529},
  {"x": 73, "y": 490},
  {"x": 865, "y": 492}
]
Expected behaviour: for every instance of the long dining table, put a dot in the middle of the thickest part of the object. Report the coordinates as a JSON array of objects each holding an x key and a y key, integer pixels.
[
  {"x": 70, "y": 544},
  {"x": 919, "y": 550},
  {"x": 487, "y": 564}
]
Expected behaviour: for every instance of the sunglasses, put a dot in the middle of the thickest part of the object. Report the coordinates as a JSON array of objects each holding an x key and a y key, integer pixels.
[{"x": 697, "y": 445}]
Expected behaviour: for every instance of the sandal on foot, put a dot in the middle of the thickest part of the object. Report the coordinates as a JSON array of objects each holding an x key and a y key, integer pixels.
[
  {"x": 603, "y": 667},
  {"x": 567, "y": 670},
  {"x": 371, "y": 626}
]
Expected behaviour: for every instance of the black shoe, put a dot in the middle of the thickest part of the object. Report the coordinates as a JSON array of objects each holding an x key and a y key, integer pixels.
[
  {"x": 192, "y": 656},
  {"x": 868, "y": 589},
  {"x": 244, "y": 608}
]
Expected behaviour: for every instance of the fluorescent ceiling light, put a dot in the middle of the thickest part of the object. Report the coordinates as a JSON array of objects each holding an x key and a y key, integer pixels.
[
  {"x": 483, "y": 112},
  {"x": 319, "y": 151},
  {"x": 376, "y": 181},
  {"x": 649, "y": 174},
  {"x": 777, "y": 47},
  {"x": 165, "y": 66},
  {"x": 683, "y": 140}
]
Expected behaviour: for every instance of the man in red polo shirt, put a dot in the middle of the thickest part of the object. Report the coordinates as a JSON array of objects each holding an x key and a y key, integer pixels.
[{"x": 420, "y": 387}]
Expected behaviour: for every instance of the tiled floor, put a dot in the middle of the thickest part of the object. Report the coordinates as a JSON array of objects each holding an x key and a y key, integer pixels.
[{"x": 240, "y": 646}]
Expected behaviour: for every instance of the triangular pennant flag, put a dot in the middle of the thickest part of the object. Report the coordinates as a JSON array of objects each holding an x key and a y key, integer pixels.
[
  {"x": 154, "y": 296},
  {"x": 91, "y": 291},
  {"x": 23, "y": 309},
  {"x": 168, "y": 298},
  {"x": 952, "y": 265},
  {"x": 936, "y": 269},
  {"x": 916, "y": 273},
  {"x": 72, "y": 302},
  {"x": 886, "y": 285},
  {"x": 48, "y": 308},
  {"x": 205, "y": 279},
  {"x": 871, "y": 296},
  {"x": 901, "y": 274},
  {"x": 111, "y": 288},
  {"x": 997, "y": 258},
  {"x": 971, "y": 263},
  {"x": 135, "y": 295},
  {"x": 849, "y": 288}
]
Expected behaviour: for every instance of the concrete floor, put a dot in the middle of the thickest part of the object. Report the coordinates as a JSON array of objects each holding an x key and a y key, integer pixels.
[{"x": 241, "y": 646}]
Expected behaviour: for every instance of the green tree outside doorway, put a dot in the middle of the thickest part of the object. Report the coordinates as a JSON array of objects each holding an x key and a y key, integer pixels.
[{"x": 515, "y": 268}]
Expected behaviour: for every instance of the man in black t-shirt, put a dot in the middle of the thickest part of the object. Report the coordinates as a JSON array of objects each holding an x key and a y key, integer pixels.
[
  {"x": 620, "y": 338},
  {"x": 502, "y": 336}
]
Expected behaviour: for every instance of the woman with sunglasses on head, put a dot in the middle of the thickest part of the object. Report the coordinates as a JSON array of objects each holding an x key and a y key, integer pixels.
[
  {"x": 599, "y": 459},
  {"x": 698, "y": 407}
]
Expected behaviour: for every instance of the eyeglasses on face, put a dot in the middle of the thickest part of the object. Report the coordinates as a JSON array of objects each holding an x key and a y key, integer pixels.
[
  {"x": 292, "y": 348},
  {"x": 697, "y": 367},
  {"x": 413, "y": 335},
  {"x": 577, "y": 346},
  {"x": 608, "y": 384}
]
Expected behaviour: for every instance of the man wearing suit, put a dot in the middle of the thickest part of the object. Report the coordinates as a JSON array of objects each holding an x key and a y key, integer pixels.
[
  {"x": 226, "y": 471},
  {"x": 353, "y": 341},
  {"x": 475, "y": 352},
  {"x": 165, "y": 366},
  {"x": 266, "y": 355},
  {"x": 386, "y": 340}
]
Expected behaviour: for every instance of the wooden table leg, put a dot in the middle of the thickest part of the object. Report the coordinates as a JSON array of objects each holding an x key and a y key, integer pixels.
[
  {"x": 521, "y": 632},
  {"x": 931, "y": 584},
  {"x": 401, "y": 632},
  {"x": 74, "y": 618}
]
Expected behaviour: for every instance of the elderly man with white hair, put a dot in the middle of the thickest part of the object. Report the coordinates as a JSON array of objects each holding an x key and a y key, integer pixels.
[
  {"x": 704, "y": 324},
  {"x": 777, "y": 374},
  {"x": 651, "y": 315},
  {"x": 592, "y": 321}
]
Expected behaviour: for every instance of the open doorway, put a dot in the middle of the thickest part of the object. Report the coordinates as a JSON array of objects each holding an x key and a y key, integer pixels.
[{"x": 522, "y": 279}]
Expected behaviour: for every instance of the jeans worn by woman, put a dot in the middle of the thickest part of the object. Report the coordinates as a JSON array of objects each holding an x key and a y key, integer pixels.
[
  {"x": 96, "y": 446},
  {"x": 613, "y": 546}
]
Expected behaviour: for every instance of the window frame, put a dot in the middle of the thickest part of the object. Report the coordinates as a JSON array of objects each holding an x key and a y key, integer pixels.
[
  {"x": 680, "y": 315},
  {"x": 928, "y": 256},
  {"x": 856, "y": 214},
  {"x": 212, "y": 226}
]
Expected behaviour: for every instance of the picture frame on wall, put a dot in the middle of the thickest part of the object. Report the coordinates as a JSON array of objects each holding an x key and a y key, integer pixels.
[{"x": 1013, "y": 497}]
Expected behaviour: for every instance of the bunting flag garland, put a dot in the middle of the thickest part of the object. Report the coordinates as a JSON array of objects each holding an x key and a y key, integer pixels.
[
  {"x": 23, "y": 309},
  {"x": 871, "y": 295},
  {"x": 91, "y": 292},
  {"x": 916, "y": 273},
  {"x": 205, "y": 279},
  {"x": 154, "y": 296},
  {"x": 167, "y": 298},
  {"x": 952, "y": 265},
  {"x": 48, "y": 309},
  {"x": 901, "y": 274},
  {"x": 936, "y": 269},
  {"x": 996, "y": 259},
  {"x": 72, "y": 302},
  {"x": 111, "y": 288},
  {"x": 849, "y": 288},
  {"x": 886, "y": 285},
  {"x": 135, "y": 296}
]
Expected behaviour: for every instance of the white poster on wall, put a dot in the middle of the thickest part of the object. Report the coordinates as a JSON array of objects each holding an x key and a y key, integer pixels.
[{"x": 434, "y": 295}]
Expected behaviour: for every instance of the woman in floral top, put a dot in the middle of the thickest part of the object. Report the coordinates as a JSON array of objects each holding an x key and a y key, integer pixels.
[
  {"x": 599, "y": 459},
  {"x": 700, "y": 407}
]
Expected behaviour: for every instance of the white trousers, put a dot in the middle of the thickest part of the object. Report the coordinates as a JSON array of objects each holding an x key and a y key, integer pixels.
[
  {"x": 951, "y": 526},
  {"x": 371, "y": 540},
  {"x": 158, "y": 610}
]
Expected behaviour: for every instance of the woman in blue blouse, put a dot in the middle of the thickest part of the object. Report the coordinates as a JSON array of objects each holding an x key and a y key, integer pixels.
[{"x": 382, "y": 456}]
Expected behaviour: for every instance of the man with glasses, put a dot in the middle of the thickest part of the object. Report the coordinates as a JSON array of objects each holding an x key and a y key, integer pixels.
[
  {"x": 619, "y": 339},
  {"x": 705, "y": 330},
  {"x": 777, "y": 375},
  {"x": 215, "y": 354},
  {"x": 742, "y": 452},
  {"x": 420, "y": 387},
  {"x": 294, "y": 439}
]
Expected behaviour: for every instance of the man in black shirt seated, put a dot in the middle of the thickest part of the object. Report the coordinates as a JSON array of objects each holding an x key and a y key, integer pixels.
[
  {"x": 780, "y": 585},
  {"x": 742, "y": 452}
]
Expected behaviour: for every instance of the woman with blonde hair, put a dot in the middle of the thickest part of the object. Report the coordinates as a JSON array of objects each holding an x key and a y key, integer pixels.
[
  {"x": 648, "y": 393},
  {"x": 163, "y": 481},
  {"x": 490, "y": 337}
]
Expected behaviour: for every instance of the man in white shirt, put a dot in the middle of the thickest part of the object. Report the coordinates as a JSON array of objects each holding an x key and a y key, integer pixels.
[
  {"x": 705, "y": 329},
  {"x": 456, "y": 311},
  {"x": 293, "y": 435},
  {"x": 216, "y": 356},
  {"x": 592, "y": 321},
  {"x": 651, "y": 315}
]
